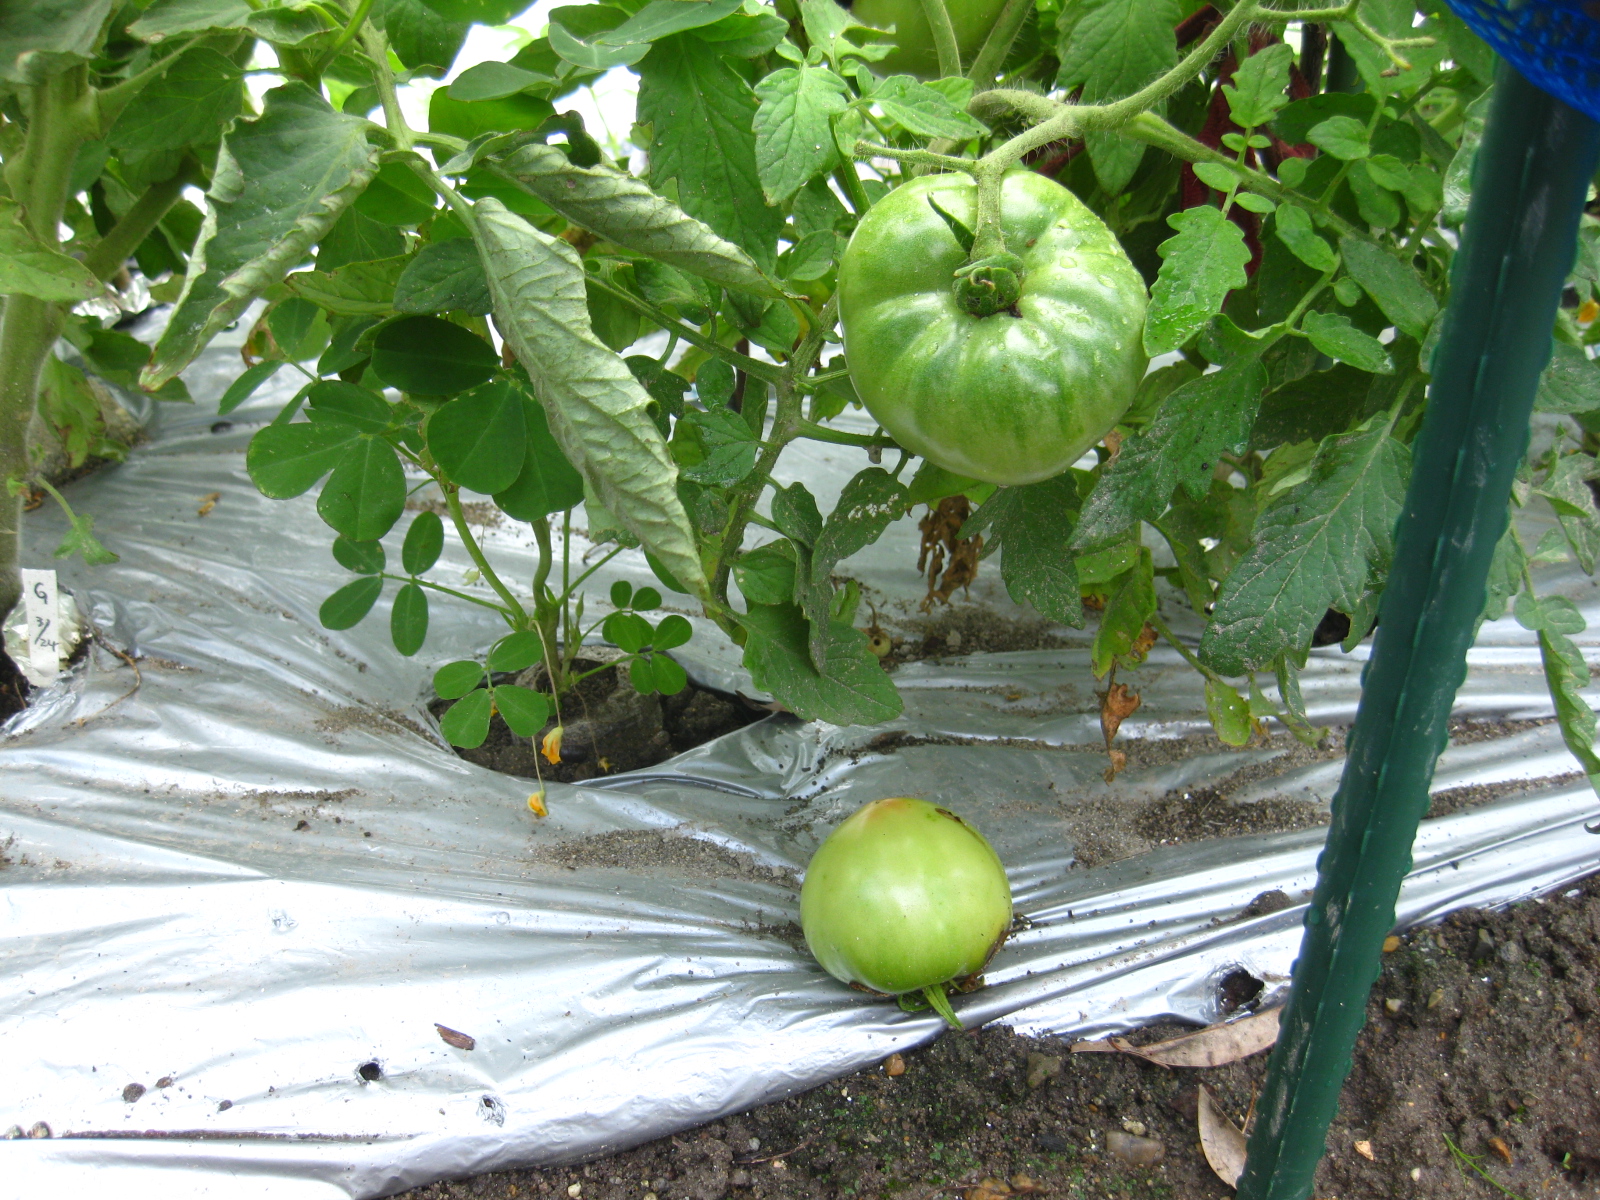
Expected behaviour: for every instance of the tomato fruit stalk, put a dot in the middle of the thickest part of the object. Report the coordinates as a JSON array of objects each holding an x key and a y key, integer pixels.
[
  {"x": 905, "y": 897},
  {"x": 1006, "y": 369}
]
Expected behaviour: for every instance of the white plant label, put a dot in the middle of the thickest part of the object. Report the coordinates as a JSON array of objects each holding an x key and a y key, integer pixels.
[{"x": 42, "y": 608}]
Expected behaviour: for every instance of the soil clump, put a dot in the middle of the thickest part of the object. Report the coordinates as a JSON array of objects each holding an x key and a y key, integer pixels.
[{"x": 1481, "y": 1030}]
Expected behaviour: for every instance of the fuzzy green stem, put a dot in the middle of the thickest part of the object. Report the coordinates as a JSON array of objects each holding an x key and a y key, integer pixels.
[
  {"x": 61, "y": 117},
  {"x": 998, "y": 44},
  {"x": 821, "y": 433},
  {"x": 377, "y": 48},
  {"x": 108, "y": 255},
  {"x": 785, "y": 425},
  {"x": 351, "y": 31},
  {"x": 944, "y": 37},
  {"x": 847, "y": 179},
  {"x": 916, "y": 158}
]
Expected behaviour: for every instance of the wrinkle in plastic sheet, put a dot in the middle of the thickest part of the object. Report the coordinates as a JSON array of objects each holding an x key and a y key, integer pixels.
[{"x": 163, "y": 918}]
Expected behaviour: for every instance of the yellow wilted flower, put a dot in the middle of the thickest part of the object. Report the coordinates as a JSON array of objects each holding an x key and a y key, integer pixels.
[
  {"x": 551, "y": 746},
  {"x": 536, "y": 804}
]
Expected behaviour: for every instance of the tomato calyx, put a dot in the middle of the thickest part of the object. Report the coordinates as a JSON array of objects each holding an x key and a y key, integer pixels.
[{"x": 990, "y": 285}]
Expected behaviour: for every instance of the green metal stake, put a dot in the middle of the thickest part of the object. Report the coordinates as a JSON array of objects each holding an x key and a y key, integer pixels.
[{"x": 1529, "y": 186}]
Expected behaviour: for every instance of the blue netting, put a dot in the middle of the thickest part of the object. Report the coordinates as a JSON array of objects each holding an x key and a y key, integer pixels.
[{"x": 1554, "y": 43}]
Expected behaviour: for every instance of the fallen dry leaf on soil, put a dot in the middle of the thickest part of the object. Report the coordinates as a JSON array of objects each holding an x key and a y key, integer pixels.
[
  {"x": 1501, "y": 1150},
  {"x": 208, "y": 502},
  {"x": 1222, "y": 1142},
  {"x": 1364, "y": 1148},
  {"x": 454, "y": 1037},
  {"x": 1213, "y": 1046}
]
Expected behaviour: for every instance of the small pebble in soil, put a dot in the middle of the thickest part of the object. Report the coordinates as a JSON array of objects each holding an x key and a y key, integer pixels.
[
  {"x": 1135, "y": 1151},
  {"x": 164, "y": 1082},
  {"x": 1392, "y": 1005},
  {"x": 893, "y": 1066},
  {"x": 575, "y": 1190},
  {"x": 1137, "y": 1128},
  {"x": 1364, "y": 1148},
  {"x": 39, "y": 1129},
  {"x": 132, "y": 1092},
  {"x": 1041, "y": 1068},
  {"x": 225, "y": 1106},
  {"x": 12, "y": 1134}
]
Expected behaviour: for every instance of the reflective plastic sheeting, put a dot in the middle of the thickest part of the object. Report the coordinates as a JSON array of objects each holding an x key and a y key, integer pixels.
[{"x": 256, "y": 883}]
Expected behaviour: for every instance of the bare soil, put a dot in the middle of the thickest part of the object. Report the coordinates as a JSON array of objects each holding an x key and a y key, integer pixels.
[
  {"x": 14, "y": 688},
  {"x": 608, "y": 727},
  {"x": 1481, "y": 1030}
]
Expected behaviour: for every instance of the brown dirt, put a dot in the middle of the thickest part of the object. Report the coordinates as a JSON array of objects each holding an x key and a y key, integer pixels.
[
  {"x": 14, "y": 688},
  {"x": 609, "y": 727},
  {"x": 1505, "y": 1052}
]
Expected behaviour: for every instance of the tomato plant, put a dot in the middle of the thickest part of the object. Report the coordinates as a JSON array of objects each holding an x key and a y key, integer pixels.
[
  {"x": 903, "y": 897},
  {"x": 614, "y": 344},
  {"x": 1011, "y": 395}
]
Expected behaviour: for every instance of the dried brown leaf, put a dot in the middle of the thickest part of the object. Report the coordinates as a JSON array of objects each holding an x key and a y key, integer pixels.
[
  {"x": 454, "y": 1037},
  {"x": 1117, "y": 703},
  {"x": 949, "y": 560},
  {"x": 1222, "y": 1142},
  {"x": 1213, "y": 1046}
]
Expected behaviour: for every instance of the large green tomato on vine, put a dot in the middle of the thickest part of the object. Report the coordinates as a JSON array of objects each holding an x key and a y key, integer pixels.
[
  {"x": 914, "y": 53},
  {"x": 1020, "y": 394}
]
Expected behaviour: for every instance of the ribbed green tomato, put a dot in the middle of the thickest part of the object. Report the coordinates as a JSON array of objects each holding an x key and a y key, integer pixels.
[
  {"x": 903, "y": 896},
  {"x": 1010, "y": 398},
  {"x": 913, "y": 39}
]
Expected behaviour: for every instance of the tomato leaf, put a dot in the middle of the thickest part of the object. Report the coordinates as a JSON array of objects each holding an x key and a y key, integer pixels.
[
  {"x": 1113, "y": 48},
  {"x": 357, "y": 290},
  {"x": 357, "y": 238},
  {"x": 730, "y": 447},
  {"x": 1229, "y": 713},
  {"x": 1394, "y": 286},
  {"x": 598, "y": 412},
  {"x": 851, "y": 687},
  {"x": 1292, "y": 224},
  {"x": 189, "y": 103},
  {"x": 923, "y": 111},
  {"x": 766, "y": 574},
  {"x": 1567, "y": 674},
  {"x": 1260, "y": 86},
  {"x": 868, "y": 503},
  {"x": 794, "y": 141},
  {"x": 1195, "y": 424},
  {"x": 624, "y": 210},
  {"x": 1199, "y": 267},
  {"x": 280, "y": 183},
  {"x": 1567, "y": 490},
  {"x": 28, "y": 267},
  {"x": 1324, "y": 543},
  {"x": 420, "y": 38},
  {"x": 1570, "y": 384},
  {"x": 165, "y": 18},
  {"x": 444, "y": 276},
  {"x": 1335, "y": 336},
  {"x": 702, "y": 116},
  {"x": 397, "y": 196},
  {"x": 1032, "y": 524},
  {"x": 1129, "y": 606}
]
